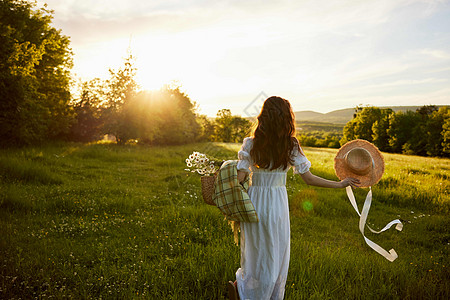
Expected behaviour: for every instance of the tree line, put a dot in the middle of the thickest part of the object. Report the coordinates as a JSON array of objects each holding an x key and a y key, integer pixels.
[
  {"x": 117, "y": 107},
  {"x": 424, "y": 132},
  {"x": 320, "y": 139},
  {"x": 36, "y": 104}
]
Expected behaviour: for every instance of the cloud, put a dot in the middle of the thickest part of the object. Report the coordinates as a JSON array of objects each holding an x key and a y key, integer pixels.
[
  {"x": 436, "y": 53},
  {"x": 406, "y": 82},
  {"x": 86, "y": 21}
]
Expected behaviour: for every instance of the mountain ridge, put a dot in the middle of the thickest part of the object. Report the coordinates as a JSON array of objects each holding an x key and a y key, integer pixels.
[{"x": 341, "y": 116}]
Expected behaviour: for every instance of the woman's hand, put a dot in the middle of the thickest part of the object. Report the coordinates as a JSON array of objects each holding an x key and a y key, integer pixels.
[
  {"x": 353, "y": 182},
  {"x": 241, "y": 175}
]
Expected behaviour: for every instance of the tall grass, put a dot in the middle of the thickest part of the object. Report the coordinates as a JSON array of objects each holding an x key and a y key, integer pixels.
[
  {"x": 26, "y": 170},
  {"x": 104, "y": 221}
]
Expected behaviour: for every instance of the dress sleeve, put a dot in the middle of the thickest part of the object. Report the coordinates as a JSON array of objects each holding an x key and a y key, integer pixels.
[
  {"x": 301, "y": 164},
  {"x": 245, "y": 160}
]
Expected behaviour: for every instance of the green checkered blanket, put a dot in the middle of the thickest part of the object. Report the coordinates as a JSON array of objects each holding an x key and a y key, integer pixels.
[{"x": 231, "y": 197}]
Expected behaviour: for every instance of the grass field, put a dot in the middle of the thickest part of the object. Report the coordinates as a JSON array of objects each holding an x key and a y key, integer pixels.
[{"x": 103, "y": 221}]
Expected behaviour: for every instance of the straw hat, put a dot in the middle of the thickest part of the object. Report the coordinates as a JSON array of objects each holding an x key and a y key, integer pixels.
[{"x": 359, "y": 159}]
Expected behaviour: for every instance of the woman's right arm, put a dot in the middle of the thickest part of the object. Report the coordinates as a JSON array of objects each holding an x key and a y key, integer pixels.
[{"x": 241, "y": 175}]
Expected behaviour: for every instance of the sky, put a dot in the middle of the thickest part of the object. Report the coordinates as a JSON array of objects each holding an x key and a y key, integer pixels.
[{"x": 321, "y": 55}]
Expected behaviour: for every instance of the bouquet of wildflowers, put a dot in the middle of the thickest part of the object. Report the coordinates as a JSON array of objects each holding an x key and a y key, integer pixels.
[{"x": 200, "y": 163}]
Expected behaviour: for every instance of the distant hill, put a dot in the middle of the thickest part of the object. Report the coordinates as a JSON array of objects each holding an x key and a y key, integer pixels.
[{"x": 341, "y": 116}]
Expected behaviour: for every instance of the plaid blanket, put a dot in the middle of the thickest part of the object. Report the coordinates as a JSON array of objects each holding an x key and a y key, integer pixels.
[{"x": 231, "y": 197}]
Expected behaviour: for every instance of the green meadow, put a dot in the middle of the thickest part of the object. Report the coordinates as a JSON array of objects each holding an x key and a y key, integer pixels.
[{"x": 102, "y": 221}]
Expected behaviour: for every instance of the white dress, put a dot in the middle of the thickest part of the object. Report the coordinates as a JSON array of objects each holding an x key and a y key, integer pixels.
[{"x": 265, "y": 246}]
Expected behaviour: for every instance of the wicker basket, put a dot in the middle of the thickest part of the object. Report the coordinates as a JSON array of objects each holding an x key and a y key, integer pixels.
[{"x": 208, "y": 188}]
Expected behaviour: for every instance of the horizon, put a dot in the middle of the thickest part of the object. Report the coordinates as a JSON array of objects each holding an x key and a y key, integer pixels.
[
  {"x": 381, "y": 106},
  {"x": 346, "y": 108},
  {"x": 320, "y": 56}
]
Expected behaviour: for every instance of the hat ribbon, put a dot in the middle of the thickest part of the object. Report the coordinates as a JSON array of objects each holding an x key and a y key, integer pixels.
[{"x": 391, "y": 255}]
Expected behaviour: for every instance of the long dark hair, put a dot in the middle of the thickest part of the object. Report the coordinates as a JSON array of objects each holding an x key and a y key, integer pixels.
[{"x": 274, "y": 135}]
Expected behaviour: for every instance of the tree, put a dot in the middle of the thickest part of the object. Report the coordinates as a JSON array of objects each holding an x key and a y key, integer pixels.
[
  {"x": 360, "y": 127},
  {"x": 348, "y": 133},
  {"x": 206, "y": 128},
  {"x": 418, "y": 142},
  {"x": 446, "y": 134},
  {"x": 400, "y": 131},
  {"x": 229, "y": 128},
  {"x": 380, "y": 127},
  {"x": 35, "y": 60},
  {"x": 88, "y": 112},
  {"x": 331, "y": 140},
  {"x": 434, "y": 129},
  {"x": 223, "y": 122},
  {"x": 164, "y": 117},
  {"x": 240, "y": 128},
  {"x": 120, "y": 89},
  {"x": 426, "y": 110},
  {"x": 145, "y": 116},
  {"x": 177, "y": 118},
  {"x": 307, "y": 140},
  {"x": 364, "y": 123}
]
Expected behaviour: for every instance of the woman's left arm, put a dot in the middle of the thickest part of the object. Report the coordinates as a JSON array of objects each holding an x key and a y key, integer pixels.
[{"x": 311, "y": 179}]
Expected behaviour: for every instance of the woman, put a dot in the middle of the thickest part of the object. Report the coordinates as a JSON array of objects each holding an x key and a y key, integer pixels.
[{"x": 265, "y": 246}]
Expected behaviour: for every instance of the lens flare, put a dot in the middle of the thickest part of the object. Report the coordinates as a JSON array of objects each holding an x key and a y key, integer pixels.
[{"x": 307, "y": 206}]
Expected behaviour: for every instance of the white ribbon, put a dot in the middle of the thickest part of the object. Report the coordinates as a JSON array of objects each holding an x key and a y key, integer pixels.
[{"x": 391, "y": 255}]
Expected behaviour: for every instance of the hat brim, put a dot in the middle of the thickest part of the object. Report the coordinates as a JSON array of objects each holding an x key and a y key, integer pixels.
[{"x": 342, "y": 171}]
